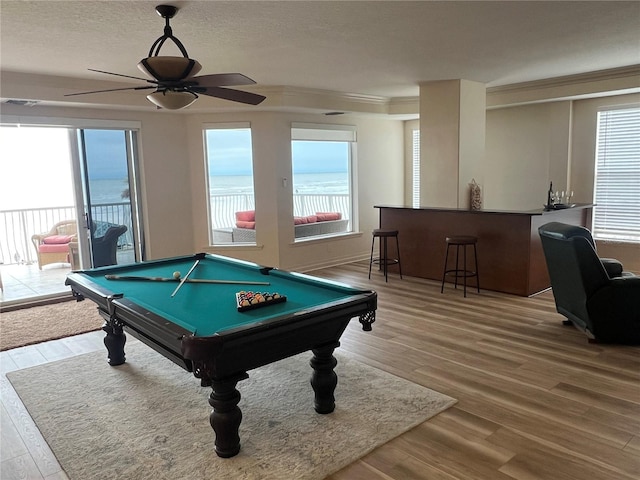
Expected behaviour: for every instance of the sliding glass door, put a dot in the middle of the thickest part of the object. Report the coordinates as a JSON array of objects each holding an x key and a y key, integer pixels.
[
  {"x": 108, "y": 195},
  {"x": 77, "y": 188}
]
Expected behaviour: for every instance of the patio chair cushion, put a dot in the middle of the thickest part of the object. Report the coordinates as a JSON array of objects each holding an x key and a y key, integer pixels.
[
  {"x": 53, "y": 248},
  {"x": 58, "y": 239}
]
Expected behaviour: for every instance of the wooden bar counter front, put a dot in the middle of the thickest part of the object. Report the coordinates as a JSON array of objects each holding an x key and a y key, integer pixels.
[{"x": 510, "y": 257}]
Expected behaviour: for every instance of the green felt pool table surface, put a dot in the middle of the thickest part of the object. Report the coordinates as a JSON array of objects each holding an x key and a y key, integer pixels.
[{"x": 205, "y": 309}]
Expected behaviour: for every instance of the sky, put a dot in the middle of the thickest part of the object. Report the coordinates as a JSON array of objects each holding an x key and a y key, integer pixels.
[
  {"x": 106, "y": 154},
  {"x": 229, "y": 153},
  {"x": 35, "y": 164},
  {"x": 35, "y": 168}
]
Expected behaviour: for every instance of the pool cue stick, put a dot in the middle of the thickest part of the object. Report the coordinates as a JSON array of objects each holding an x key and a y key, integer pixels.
[
  {"x": 190, "y": 280},
  {"x": 231, "y": 282},
  {"x": 148, "y": 279},
  {"x": 195, "y": 264}
]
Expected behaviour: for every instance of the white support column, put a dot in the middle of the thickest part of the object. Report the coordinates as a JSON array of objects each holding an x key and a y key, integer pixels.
[{"x": 452, "y": 141}]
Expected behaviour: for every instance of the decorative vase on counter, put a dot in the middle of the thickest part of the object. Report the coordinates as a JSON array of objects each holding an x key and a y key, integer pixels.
[{"x": 475, "y": 196}]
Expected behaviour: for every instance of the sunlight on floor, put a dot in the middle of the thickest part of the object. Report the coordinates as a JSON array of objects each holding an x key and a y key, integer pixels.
[{"x": 26, "y": 282}]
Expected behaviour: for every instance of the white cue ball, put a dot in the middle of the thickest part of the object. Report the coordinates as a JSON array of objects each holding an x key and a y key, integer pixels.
[{"x": 176, "y": 275}]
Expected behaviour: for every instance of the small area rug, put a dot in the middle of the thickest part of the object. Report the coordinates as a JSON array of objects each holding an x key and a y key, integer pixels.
[
  {"x": 47, "y": 322},
  {"x": 148, "y": 418}
]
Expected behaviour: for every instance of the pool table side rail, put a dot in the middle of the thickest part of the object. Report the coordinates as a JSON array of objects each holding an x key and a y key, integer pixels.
[
  {"x": 311, "y": 280},
  {"x": 241, "y": 352},
  {"x": 82, "y": 286},
  {"x": 359, "y": 304},
  {"x": 170, "y": 339},
  {"x": 155, "y": 331},
  {"x": 147, "y": 263}
]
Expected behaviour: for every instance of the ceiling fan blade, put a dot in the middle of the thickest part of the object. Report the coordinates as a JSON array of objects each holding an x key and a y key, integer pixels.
[
  {"x": 221, "y": 80},
  {"x": 229, "y": 94},
  {"x": 110, "y": 90},
  {"x": 121, "y": 75}
]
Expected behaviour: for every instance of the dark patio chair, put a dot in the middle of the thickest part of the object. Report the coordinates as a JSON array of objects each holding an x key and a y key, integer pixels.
[{"x": 105, "y": 248}]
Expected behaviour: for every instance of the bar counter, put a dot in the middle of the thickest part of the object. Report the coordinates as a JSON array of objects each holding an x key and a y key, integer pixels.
[{"x": 510, "y": 257}]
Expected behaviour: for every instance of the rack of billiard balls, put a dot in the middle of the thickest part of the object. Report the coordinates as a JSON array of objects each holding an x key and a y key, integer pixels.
[{"x": 247, "y": 300}]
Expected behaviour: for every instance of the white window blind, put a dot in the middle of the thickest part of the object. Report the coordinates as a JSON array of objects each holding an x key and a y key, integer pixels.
[
  {"x": 617, "y": 180},
  {"x": 416, "y": 169}
]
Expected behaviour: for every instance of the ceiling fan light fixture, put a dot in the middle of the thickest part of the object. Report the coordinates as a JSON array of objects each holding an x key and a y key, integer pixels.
[
  {"x": 169, "y": 69},
  {"x": 172, "y": 78},
  {"x": 171, "y": 100}
]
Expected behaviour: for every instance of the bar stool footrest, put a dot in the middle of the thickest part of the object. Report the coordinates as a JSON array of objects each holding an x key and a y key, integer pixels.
[
  {"x": 389, "y": 261},
  {"x": 461, "y": 273}
]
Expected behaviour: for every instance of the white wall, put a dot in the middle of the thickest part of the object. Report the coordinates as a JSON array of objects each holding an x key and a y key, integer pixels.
[
  {"x": 165, "y": 174},
  {"x": 529, "y": 146},
  {"x": 518, "y": 158}
]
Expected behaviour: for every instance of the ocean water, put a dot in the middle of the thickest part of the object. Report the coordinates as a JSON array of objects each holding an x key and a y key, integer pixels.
[
  {"x": 112, "y": 190},
  {"x": 306, "y": 183},
  {"x": 108, "y": 190}
]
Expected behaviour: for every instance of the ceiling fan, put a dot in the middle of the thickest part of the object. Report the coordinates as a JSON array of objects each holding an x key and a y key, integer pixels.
[{"x": 173, "y": 77}]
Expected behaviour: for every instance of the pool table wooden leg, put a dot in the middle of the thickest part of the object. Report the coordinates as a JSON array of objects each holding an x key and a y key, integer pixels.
[
  {"x": 114, "y": 341},
  {"x": 226, "y": 415},
  {"x": 323, "y": 378}
]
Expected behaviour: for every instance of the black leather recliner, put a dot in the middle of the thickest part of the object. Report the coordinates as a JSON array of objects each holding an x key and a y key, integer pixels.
[{"x": 595, "y": 294}]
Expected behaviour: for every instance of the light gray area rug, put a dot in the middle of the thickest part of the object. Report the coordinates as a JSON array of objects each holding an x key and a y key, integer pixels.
[{"x": 149, "y": 419}]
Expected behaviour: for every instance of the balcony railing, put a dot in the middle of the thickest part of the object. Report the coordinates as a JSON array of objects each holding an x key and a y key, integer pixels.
[
  {"x": 223, "y": 208},
  {"x": 17, "y": 226}
]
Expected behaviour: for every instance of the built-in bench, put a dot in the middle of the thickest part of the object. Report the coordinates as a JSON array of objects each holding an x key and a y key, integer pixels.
[
  {"x": 248, "y": 235},
  {"x": 313, "y": 225}
]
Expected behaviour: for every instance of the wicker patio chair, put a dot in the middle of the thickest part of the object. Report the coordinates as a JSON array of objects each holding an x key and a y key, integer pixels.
[{"x": 53, "y": 246}]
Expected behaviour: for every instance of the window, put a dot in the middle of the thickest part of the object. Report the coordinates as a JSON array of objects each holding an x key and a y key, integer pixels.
[
  {"x": 617, "y": 180},
  {"x": 229, "y": 162},
  {"x": 415, "y": 191},
  {"x": 322, "y": 166}
]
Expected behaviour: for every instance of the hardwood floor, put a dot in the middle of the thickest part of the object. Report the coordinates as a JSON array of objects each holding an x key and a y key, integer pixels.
[{"x": 535, "y": 399}]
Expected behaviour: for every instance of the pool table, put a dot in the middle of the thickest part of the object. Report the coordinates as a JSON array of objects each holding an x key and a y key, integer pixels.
[{"x": 201, "y": 328}]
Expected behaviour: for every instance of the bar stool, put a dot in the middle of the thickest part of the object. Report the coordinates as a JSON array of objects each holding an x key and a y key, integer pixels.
[
  {"x": 461, "y": 241},
  {"x": 384, "y": 260}
]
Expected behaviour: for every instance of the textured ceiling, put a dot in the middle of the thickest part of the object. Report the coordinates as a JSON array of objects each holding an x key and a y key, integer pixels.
[{"x": 376, "y": 48}]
